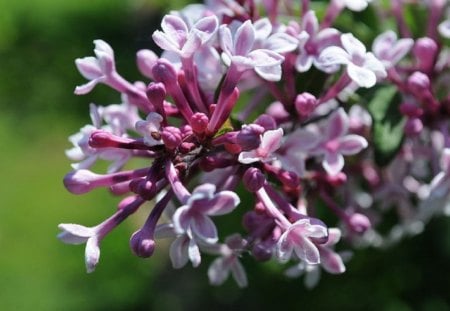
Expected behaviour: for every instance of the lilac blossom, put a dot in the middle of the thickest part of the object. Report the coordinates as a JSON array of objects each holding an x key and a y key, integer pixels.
[
  {"x": 362, "y": 67},
  {"x": 389, "y": 50},
  {"x": 270, "y": 142}
]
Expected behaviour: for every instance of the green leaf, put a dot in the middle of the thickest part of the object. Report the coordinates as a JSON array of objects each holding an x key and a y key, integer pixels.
[{"x": 388, "y": 123}]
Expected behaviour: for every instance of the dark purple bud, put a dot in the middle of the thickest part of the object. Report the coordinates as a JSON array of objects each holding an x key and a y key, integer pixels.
[
  {"x": 81, "y": 181},
  {"x": 164, "y": 72},
  {"x": 249, "y": 137},
  {"x": 305, "y": 104},
  {"x": 425, "y": 51},
  {"x": 359, "y": 223},
  {"x": 253, "y": 179},
  {"x": 261, "y": 253},
  {"x": 156, "y": 93},
  {"x": 413, "y": 127},
  {"x": 142, "y": 244},
  {"x": 171, "y": 137},
  {"x": 266, "y": 122},
  {"x": 410, "y": 110},
  {"x": 199, "y": 122}
]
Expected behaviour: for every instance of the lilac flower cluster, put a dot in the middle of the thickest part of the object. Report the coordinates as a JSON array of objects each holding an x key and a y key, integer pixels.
[{"x": 282, "y": 108}]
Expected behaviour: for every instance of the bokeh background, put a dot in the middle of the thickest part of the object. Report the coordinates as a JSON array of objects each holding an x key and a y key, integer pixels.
[{"x": 39, "y": 40}]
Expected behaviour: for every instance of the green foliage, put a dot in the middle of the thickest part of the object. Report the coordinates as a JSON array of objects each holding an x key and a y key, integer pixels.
[{"x": 388, "y": 123}]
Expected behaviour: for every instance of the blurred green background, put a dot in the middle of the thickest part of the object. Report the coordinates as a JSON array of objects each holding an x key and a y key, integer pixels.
[{"x": 39, "y": 41}]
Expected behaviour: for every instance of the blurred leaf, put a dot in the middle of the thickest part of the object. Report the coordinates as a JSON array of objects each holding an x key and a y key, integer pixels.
[{"x": 387, "y": 128}]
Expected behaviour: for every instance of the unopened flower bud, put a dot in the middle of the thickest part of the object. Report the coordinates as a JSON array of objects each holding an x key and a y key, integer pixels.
[
  {"x": 249, "y": 137},
  {"x": 156, "y": 93},
  {"x": 199, "y": 122},
  {"x": 171, "y": 137},
  {"x": 305, "y": 104},
  {"x": 164, "y": 72},
  {"x": 253, "y": 179},
  {"x": 410, "y": 110},
  {"x": 418, "y": 82},
  {"x": 146, "y": 59},
  {"x": 359, "y": 223},
  {"x": 266, "y": 122},
  {"x": 261, "y": 253},
  {"x": 142, "y": 245},
  {"x": 80, "y": 181},
  {"x": 425, "y": 51},
  {"x": 413, "y": 126}
]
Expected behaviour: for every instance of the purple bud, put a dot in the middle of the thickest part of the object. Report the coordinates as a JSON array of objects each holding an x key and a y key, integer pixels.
[
  {"x": 425, "y": 51},
  {"x": 146, "y": 59},
  {"x": 171, "y": 137},
  {"x": 164, "y": 72},
  {"x": 413, "y": 127},
  {"x": 418, "y": 82},
  {"x": 359, "y": 223},
  {"x": 142, "y": 245},
  {"x": 266, "y": 122},
  {"x": 249, "y": 137},
  {"x": 253, "y": 179},
  {"x": 261, "y": 253},
  {"x": 80, "y": 181},
  {"x": 411, "y": 110},
  {"x": 156, "y": 93},
  {"x": 305, "y": 104},
  {"x": 199, "y": 122}
]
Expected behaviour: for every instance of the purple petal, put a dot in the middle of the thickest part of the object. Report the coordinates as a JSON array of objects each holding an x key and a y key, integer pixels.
[
  {"x": 303, "y": 62},
  {"x": 204, "y": 228},
  {"x": 327, "y": 37},
  {"x": 181, "y": 219},
  {"x": 179, "y": 252},
  {"x": 89, "y": 67},
  {"x": 263, "y": 28},
  {"x": 175, "y": 28},
  {"x": 331, "y": 261},
  {"x": 352, "y": 45},
  {"x": 333, "y": 163},
  {"x": 207, "y": 26},
  {"x": 281, "y": 43},
  {"x": 374, "y": 64},
  {"x": 271, "y": 140},
  {"x": 334, "y": 235},
  {"x": 307, "y": 251},
  {"x": 284, "y": 247},
  {"x": 244, "y": 39},
  {"x": 248, "y": 157},
  {"x": 361, "y": 76},
  {"x": 165, "y": 42},
  {"x": 75, "y": 234},
  {"x": 400, "y": 49},
  {"x": 223, "y": 203},
  {"x": 226, "y": 40},
  {"x": 87, "y": 87},
  {"x": 102, "y": 46},
  {"x": 332, "y": 56},
  {"x": 194, "y": 254},
  {"x": 337, "y": 125},
  {"x": 352, "y": 144},
  {"x": 192, "y": 44},
  {"x": 239, "y": 275},
  {"x": 92, "y": 254},
  {"x": 269, "y": 73},
  {"x": 218, "y": 272},
  {"x": 383, "y": 43},
  {"x": 310, "y": 23}
]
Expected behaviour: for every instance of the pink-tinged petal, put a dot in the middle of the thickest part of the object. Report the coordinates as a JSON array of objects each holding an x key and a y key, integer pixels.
[
  {"x": 181, "y": 219},
  {"x": 284, "y": 247},
  {"x": 165, "y": 42},
  {"x": 75, "y": 234},
  {"x": 352, "y": 144},
  {"x": 226, "y": 40},
  {"x": 444, "y": 29},
  {"x": 303, "y": 62},
  {"x": 337, "y": 125},
  {"x": 92, "y": 254},
  {"x": 223, "y": 203},
  {"x": 239, "y": 275},
  {"x": 102, "y": 46},
  {"x": 244, "y": 39},
  {"x": 334, "y": 235},
  {"x": 327, "y": 37},
  {"x": 271, "y": 140},
  {"x": 361, "y": 76},
  {"x": 333, "y": 163},
  {"x": 194, "y": 254},
  {"x": 374, "y": 64},
  {"x": 333, "y": 56},
  {"x": 307, "y": 251},
  {"x": 353, "y": 46},
  {"x": 400, "y": 49},
  {"x": 263, "y": 28},
  {"x": 269, "y": 73},
  {"x": 331, "y": 261},
  {"x": 87, "y": 87},
  {"x": 106, "y": 63},
  {"x": 89, "y": 67},
  {"x": 248, "y": 157},
  {"x": 265, "y": 58},
  {"x": 445, "y": 160},
  {"x": 383, "y": 43},
  {"x": 204, "y": 228},
  {"x": 310, "y": 23},
  {"x": 218, "y": 272},
  {"x": 179, "y": 252},
  {"x": 206, "y": 27},
  {"x": 175, "y": 28},
  {"x": 192, "y": 44},
  {"x": 281, "y": 43}
]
